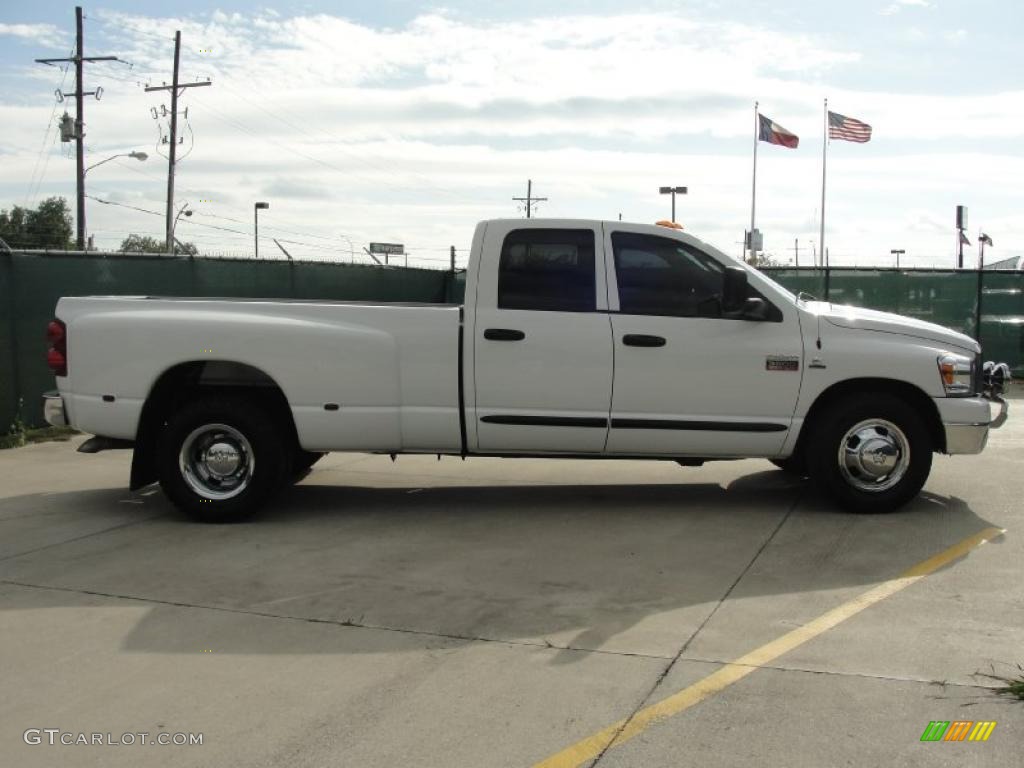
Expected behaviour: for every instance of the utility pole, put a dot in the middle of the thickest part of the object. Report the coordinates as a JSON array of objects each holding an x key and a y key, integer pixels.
[
  {"x": 796, "y": 250},
  {"x": 79, "y": 59},
  {"x": 530, "y": 200},
  {"x": 257, "y": 207},
  {"x": 453, "y": 259},
  {"x": 79, "y": 132},
  {"x": 172, "y": 155},
  {"x": 961, "y": 238}
]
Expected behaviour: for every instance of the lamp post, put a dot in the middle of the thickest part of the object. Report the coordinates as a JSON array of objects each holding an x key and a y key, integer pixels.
[
  {"x": 256, "y": 213},
  {"x": 187, "y": 212},
  {"x": 137, "y": 155},
  {"x": 140, "y": 156},
  {"x": 673, "y": 191},
  {"x": 897, "y": 252}
]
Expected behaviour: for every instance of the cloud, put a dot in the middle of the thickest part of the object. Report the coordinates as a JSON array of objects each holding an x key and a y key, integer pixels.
[
  {"x": 899, "y": 5},
  {"x": 412, "y": 133},
  {"x": 42, "y": 34},
  {"x": 297, "y": 189}
]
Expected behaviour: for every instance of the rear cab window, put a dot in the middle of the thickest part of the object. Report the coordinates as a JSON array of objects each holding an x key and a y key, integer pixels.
[{"x": 550, "y": 270}]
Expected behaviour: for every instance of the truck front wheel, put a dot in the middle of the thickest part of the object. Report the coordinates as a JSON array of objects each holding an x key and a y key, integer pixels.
[
  {"x": 871, "y": 452},
  {"x": 220, "y": 458}
]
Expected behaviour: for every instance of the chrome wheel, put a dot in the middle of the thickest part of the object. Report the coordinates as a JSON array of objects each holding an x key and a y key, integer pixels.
[
  {"x": 874, "y": 455},
  {"x": 216, "y": 461}
]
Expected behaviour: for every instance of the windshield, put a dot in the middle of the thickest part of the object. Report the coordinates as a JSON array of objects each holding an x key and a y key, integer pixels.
[{"x": 774, "y": 283}]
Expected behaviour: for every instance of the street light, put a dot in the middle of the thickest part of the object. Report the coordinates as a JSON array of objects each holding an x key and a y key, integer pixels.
[
  {"x": 137, "y": 155},
  {"x": 256, "y": 212},
  {"x": 187, "y": 212},
  {"x": 672, "y": 191},
  {"x": 897, "y": 252},
  {"x": 81, "y": 200}
]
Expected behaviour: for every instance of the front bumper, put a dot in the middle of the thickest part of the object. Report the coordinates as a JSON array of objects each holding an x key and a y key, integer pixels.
[
  {"x": 966, "y": 438},
  {"x": 53, "y": 409},
  {"x": 968, "y": 420}
]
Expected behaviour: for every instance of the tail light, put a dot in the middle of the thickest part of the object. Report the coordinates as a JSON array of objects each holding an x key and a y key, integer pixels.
[{"x": 57, "y": 354}]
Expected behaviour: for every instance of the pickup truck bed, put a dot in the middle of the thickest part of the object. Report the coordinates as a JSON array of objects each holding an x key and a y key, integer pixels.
[{"x": 391, "y": 369}]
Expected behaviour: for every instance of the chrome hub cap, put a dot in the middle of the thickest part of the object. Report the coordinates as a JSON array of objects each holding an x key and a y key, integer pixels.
[
  {"x": 216, "y": 461},
  {"x": 222, "y": 459},
  {"x": 874, "y": 455}
]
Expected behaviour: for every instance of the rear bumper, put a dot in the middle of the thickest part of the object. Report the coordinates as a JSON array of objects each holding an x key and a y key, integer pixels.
[{"x": 53, "y": 409}]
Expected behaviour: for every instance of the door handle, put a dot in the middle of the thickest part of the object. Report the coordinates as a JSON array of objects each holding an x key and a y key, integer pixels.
[
  {"x": 642, "y": 340},
  {"x": 504, "y": 334}
]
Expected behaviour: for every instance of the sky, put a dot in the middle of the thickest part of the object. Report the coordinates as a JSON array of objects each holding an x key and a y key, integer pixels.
[{"x": 408, "y": 122}]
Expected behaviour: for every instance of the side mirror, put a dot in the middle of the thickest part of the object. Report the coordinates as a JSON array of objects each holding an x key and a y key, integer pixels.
[
  {"x": 755, "y": 309},
  {"x": 734, "y": 290}
]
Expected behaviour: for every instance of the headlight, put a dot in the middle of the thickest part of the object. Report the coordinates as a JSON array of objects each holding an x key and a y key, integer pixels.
[{"x": 956, "y": 374}]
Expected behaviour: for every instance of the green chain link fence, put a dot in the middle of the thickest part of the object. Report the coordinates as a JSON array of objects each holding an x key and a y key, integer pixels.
[
  {"x": 946, "y": 297},
  {"x": 31, "y": 283}
]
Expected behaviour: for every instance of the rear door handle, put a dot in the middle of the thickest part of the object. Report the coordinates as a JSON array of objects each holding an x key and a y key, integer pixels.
[
  {"x": 642, "y": 340},
  {"x": 504, "y": 334}
]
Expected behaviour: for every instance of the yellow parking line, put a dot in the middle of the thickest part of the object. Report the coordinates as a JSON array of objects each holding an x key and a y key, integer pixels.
[{"x": 619, "y": 733}]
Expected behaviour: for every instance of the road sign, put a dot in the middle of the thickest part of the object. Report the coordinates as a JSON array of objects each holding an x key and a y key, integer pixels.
[{"x": 391, "y": 249}]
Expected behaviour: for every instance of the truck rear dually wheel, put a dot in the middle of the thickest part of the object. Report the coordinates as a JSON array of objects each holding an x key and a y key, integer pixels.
[
  {"x": 220, "y": 458},
  {"x": 871, "y": 452}
]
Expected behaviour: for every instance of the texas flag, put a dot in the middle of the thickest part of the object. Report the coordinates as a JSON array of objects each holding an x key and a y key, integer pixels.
[{"x": 774, "y": 133}]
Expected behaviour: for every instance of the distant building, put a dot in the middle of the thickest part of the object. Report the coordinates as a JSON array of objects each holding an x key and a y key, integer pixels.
[{"x": 1015, "y": 262}]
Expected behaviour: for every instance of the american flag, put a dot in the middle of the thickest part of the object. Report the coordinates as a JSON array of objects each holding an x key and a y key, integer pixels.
[{"x": 847, "y": 129}]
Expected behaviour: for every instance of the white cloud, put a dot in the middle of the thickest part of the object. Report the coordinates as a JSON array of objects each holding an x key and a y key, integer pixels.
[
  {"x": 899, "y": 5},
  {"x": 413, "y": 133},
  {"x": 42, "y": 34}
]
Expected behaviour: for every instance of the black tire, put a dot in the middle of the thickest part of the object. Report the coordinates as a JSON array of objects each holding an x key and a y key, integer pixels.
[
  {"x": 795, "y": 465},
  {"x": 870, "y": 449},
  {"x": 246, "y": 434},
  {"x": 302, "y": 463}
]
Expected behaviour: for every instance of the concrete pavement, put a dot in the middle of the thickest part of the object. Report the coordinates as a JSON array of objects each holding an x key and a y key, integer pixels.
[{"x": 493, "y": 612}]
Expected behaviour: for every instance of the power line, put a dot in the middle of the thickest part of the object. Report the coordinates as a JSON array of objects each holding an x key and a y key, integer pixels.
[
  {"x": 174, "y": 87},
  {"x": 272, "y": 227},
  {"x": 79, "y": 127},
  {"x": 33, "y": 186},
  {"x": 355, "y": 156}
]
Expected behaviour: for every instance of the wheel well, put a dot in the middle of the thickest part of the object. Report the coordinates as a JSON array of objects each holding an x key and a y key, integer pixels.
[
  {"x": 910, "y": 394},
  {"x": 187, "y": 381}
]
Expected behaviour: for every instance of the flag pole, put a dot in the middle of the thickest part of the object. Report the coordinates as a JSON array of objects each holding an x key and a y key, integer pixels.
[
  {"x": 824, "y": 146},
  {"x": 753, "y": 191}
]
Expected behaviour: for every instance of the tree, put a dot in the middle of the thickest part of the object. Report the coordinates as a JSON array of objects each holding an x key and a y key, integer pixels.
[
  {"x": 763, "y": 259},
  {"x": 147, "y": 244},
  {"x": 48, "y": 226}
]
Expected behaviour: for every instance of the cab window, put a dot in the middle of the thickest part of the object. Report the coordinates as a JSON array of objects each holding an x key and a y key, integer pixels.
[
  {"x": 663, "y": 276},
  {"x": 549, "y": 270}
]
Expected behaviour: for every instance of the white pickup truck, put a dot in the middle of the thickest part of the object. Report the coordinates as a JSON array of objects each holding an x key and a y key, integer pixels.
[{"x": 578, "y": 338}]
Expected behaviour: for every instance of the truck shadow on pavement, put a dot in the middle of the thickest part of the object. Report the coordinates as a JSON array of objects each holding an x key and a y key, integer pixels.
[{"x": 619, "y": 568}]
